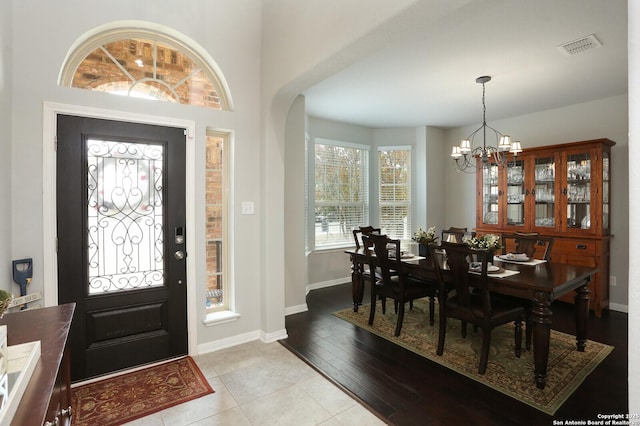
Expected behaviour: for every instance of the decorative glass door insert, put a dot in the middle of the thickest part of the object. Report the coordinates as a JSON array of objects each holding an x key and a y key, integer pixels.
[
  {"x": 490, "y": 192},
  {"x": 579, "y": 191},
  {"x": 515, "y": 193},
  {"x": 545, "y": 175},
  {"x": 124, "y": 215},
  {"x": 605, "y": 191}
]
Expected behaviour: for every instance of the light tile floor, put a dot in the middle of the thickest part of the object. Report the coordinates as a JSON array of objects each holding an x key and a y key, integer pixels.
[{"x": 260, "y": 383}]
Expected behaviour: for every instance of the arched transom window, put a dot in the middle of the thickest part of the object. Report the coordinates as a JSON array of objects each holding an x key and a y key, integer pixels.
[{"x": 145, "y": 64}]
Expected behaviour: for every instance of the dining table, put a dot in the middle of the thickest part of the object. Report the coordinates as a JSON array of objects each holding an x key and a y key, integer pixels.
[{"x": 540, "y": 282}]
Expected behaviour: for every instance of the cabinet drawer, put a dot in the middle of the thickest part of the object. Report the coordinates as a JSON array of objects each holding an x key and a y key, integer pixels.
[
  {"x": 578, "y": 247},
  {"x": 580, "y": 260}
]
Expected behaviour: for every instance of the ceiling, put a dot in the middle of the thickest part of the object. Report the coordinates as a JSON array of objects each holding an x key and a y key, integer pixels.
[{"x": 428, "y": 79}]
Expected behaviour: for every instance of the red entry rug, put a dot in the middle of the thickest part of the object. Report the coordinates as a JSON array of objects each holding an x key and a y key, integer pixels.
[{"x": 121, "y": 399}]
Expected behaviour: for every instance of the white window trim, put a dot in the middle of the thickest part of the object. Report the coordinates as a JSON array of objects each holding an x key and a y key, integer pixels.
[
  {"x": 396, "y": 148},
  {"x": 220, "y": 317}
]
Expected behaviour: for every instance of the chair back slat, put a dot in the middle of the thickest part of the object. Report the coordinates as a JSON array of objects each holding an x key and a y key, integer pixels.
[
  {"x": 387, "y": 253},
  {"x": 363, "y": 230}
]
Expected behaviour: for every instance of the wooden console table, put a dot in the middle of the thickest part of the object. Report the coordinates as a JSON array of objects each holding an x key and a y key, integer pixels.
[{"x": 47, "y": 398}]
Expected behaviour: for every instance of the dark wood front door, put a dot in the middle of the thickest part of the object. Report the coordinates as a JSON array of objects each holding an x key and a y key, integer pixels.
[{"x": 121, "y": 242}]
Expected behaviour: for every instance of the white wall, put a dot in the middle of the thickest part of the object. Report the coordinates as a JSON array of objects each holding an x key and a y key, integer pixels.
[
  {"x": 437, "y": 187},
  {"x": 42, "y": 34},
  {"x": 5, "y": 148},
  {"x": 634, "y": 205},
  {"x": 604, "y": 118},
  {"x": 296, "y": 266}
]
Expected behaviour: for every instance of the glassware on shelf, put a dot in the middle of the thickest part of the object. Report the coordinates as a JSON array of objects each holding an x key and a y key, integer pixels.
[
  {"x": 579, "y": 170},
  {"x": 515, "y": 198},
  {"x": 545, "y": 172},
  {"x": 515, "y": 175},
  {"x": 491, "y": 218},
  {"x": 545, "y": 221},
  {"x": 545, "y": 195},
  {"x": 579, "y": 193}
]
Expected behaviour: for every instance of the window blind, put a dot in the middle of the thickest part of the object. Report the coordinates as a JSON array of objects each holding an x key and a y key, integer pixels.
[
  {"x": 394, "y": 168},
  {"x": 341, "y": 192}
]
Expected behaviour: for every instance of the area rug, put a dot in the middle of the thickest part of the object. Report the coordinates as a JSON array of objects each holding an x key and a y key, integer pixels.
[
  {"x": 567, "y": 368},
  {"x": 123, "y": 398}
]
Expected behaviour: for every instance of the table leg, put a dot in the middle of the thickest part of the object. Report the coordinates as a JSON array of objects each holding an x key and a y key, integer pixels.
[
  {"x": 541, "y": 318},
  {"x": 357, "y": 283},
  {"x": 582, "y": 314}
]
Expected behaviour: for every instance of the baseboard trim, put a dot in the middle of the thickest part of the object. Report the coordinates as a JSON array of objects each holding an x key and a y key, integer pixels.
[
  {"x": 240, "y": 339},
  {"x": 619, "y": 308},
  {"x": 330, "y": 283},
  {"x": 295, "y": 309}
]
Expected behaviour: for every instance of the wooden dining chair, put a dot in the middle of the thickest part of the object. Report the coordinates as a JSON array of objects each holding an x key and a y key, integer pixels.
[
  {"x": 384, "y": 253},
  {"x": 454, "y": 234},
  {"x": 472, "y": 302},
  {"x": 365, "y": 275},
  {"x": 532, "y": 244},
  {"x": 363, "y": 230}
]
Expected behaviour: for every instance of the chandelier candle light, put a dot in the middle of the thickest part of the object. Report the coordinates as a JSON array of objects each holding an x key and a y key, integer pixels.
[{"x": 466, "y": 154}]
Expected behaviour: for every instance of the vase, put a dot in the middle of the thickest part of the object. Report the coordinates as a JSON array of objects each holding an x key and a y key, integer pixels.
[
  {"x": 423, "y": 250},
  {"x": 491, "y": 253}
]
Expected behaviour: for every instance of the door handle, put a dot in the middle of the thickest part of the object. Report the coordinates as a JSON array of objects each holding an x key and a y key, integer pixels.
[{"x": 179, "y": 255}]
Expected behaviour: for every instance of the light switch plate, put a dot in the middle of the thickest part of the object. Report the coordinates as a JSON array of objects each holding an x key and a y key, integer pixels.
[{"x": 247, "y": 207}]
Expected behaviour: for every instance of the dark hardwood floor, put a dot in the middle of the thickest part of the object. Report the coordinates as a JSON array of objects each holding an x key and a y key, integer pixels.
[{"x": 403, "y": 388}]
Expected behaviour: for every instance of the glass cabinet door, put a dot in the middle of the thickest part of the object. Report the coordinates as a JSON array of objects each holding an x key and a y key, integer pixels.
[
  {"x": 605, "y": 192},
  {"x": 578, "y": 191},
  {"x": 490, "y": 191},
  {"x": 515, "y": 194},
  {"x": 545, "y": 195}
]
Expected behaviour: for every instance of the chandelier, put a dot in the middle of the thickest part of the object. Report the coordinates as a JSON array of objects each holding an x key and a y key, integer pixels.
[{"x": 466, "y": 154}]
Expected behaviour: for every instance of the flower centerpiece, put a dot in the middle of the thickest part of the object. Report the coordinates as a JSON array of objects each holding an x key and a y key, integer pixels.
[
  {"x": 424, "y": 238},
  {"x": 489, "y": 242},
  {"x": 486, "y": 241}
]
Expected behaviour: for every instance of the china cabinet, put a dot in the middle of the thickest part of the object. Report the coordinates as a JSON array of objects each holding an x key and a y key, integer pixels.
[{"x": 561, "y": 191}]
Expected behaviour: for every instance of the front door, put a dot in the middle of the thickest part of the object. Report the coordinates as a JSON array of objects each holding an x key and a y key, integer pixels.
[{"x": 121, "y": 242}]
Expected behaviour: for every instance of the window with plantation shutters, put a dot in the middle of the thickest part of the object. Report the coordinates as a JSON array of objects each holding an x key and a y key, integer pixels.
[
  {"x": 341, "y": 191},
  {"x": 394, "y": 166}
]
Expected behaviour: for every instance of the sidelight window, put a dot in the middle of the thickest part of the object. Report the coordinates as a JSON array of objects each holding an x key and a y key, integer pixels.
[{"x": 217, "y": 298}]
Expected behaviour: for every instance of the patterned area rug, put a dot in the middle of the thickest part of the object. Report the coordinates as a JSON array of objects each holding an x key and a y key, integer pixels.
[
  {"x": 512, "y": 376},
  {"x": 129, "y": 396}
]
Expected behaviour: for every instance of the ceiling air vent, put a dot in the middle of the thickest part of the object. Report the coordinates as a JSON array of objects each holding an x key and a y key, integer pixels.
[{"x": 579, "y": 45}]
